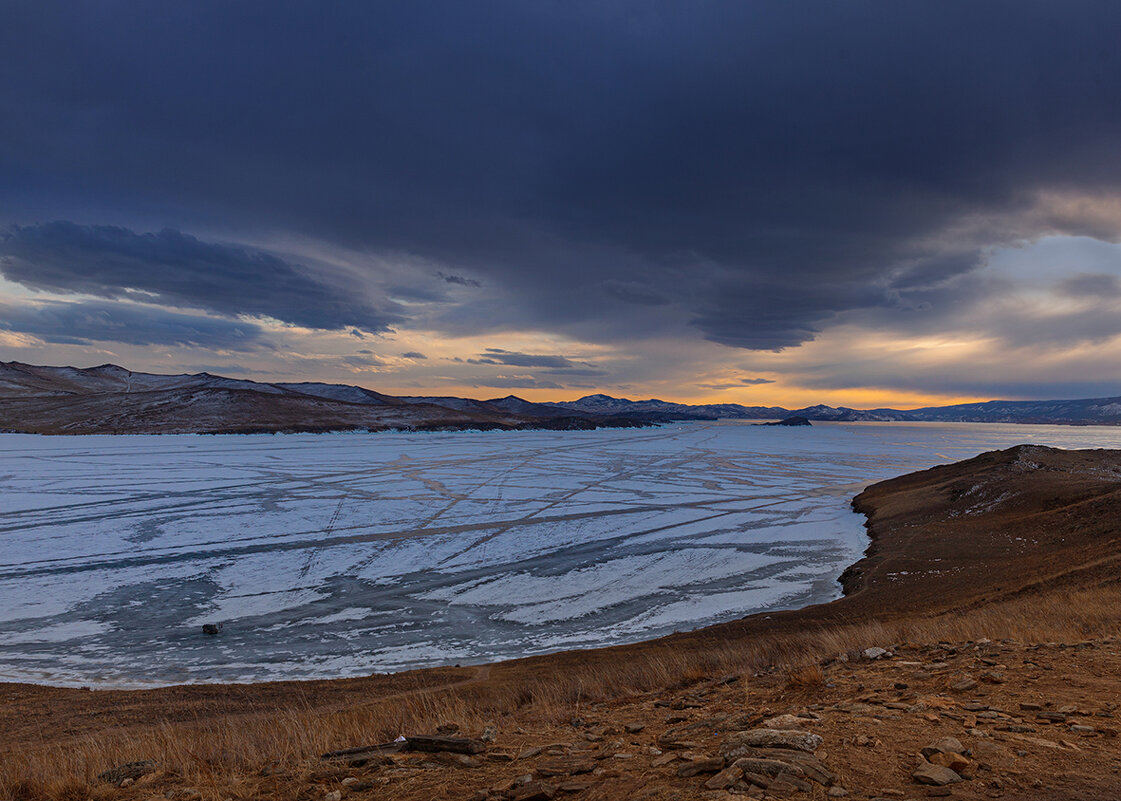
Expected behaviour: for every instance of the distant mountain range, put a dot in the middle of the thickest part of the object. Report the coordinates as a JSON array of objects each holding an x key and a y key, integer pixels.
[
  {"x": 1092, "y": 411},
  {"x": 112, "y": 400}
]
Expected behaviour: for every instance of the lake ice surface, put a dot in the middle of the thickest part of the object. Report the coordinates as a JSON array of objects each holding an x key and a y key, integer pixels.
[{"x": 336, "y": 555}]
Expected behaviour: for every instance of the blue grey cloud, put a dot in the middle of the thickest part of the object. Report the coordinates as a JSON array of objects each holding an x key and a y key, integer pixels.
[
  {"x": 84, "y": 323},
  {"x": 178, "y": 269}
]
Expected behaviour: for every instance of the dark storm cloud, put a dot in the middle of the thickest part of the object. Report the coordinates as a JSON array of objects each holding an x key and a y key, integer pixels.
[
  {"x": 412, "y": 354},
  {"x": 84, "y": 323},
  {"x": 457, "y": 279},
  {"x": 756, "y": 168},
  {"x": 176, "y": 269}
]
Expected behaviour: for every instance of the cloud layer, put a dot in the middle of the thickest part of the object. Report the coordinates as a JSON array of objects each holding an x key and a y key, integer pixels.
[
  {"x": 87, "y": 323},
  {"x": 748, "y": 174}
]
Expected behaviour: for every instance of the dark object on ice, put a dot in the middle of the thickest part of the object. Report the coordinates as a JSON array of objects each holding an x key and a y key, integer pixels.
[
  {"x": 796, "y": 420},
  {"x": 211, "y": 628}
]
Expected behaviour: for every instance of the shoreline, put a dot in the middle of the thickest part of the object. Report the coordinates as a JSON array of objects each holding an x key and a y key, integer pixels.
[{"x": 623, "y": 424}]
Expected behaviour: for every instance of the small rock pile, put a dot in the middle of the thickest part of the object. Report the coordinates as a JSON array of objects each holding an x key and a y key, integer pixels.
[{"x": 945, "y": 763}]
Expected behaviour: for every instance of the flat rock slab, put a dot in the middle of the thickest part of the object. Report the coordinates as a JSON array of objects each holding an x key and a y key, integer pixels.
[
  {"x": 774, "y": 738},
  {"x": 936, "y": 775},
  {"x": 701, "y": 766},
  {"x": 456, "y": 745},
  {"x": 365, "y": 754},
  {"x": 768, "y": 767}
]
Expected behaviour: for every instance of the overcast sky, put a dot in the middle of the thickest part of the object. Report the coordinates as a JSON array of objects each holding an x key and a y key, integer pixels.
[{"x": 893, "y": 203}]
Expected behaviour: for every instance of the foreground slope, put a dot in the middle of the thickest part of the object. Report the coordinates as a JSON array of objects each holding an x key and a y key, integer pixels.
[{"x": 991, "y": 586}]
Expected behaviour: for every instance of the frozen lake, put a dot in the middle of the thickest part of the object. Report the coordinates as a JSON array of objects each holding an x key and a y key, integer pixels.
[{"x": 333, "y": 555}]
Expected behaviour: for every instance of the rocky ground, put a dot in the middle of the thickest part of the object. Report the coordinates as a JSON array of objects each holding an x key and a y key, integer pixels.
[{"x": 964, "y": 720}]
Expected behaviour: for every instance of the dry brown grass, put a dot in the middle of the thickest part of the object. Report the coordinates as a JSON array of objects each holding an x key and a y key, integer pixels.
[
  {"x": 211, "y": 755},
  {"x": 805, "y": 678}
]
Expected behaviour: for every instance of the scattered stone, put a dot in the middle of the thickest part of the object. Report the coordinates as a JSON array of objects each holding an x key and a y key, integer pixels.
[
  {"x": 837, "y": 791},
  {"x": 874, "y": 653},
  {"x": 1026, "y": 707},
  {"x": 964, "y": 684},
  {"x": 634, "y": 728},
  {"x": 937, "y": 775},
  {"x": 490, "y": 733},
  {"x": 992, "y": 677},
  {"x": 129, "y": 770},
  {"x": 1082, "y": 729},
  {"x": 210, "y": 629},
  {"x": 333, "y": 795}
]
